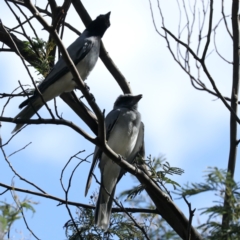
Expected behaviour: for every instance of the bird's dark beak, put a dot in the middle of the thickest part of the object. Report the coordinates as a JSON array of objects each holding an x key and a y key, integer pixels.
[
  {"x": 136, "y": 99},
  {"x": 108, "y": 15}
]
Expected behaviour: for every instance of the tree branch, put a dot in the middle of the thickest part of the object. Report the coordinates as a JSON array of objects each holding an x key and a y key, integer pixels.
[
  {"x": 62, "y": 201},
  {"x": 51, "y": 121},
  {"x": 234, "y": 99},
  {"x": 207, "y": 73}
]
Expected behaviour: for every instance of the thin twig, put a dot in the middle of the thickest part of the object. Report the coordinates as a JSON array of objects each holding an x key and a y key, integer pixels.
[
  {"x": 77, "y": 204},
  {"x": 191, "y": 214},
  {"x": 215, "y": 45},
  {"x": 55, "y": 107},
  {"x": 17, "y": 174},
  {"x": 28, "y": 21},
  {"x": 225, "y": 21},
  {"x": 66, "y": 191},
  {"x": 8, "y": 100},
  {"x": 207, "y": 73},
  {"x": 19, "y": 150},
  {"x": 23, "y": 61},
  {"x": 52, "y": 121},
  {"x": 23, "y": 215}
]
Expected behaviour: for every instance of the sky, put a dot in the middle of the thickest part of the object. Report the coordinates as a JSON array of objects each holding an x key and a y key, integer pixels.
[{"x": 190, "y": 128}]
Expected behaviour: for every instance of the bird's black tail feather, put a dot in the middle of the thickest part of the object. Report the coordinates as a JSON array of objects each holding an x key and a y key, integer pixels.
[
  {"x": 26, "y": 113},
  {"x": 103, "y": 208}
]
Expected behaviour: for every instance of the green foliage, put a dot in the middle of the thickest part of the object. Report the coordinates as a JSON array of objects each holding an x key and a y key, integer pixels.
[
  {"x": 120, "y": 226},
  {"x": 221, "y": 183},
  {"x": 155, "y": 226},
  {"x": 158, "y": 228},
  {"x": 9, "y": 213},
  {"x": 158, "y": 170},
  {"x": 43, "y": 50},
  {"x": 216, "y": 181}
]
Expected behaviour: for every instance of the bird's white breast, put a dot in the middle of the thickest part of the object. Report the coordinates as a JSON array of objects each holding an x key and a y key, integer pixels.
[
  {"x": 63, "y": 84},
  {"x": 123, "y": 136},
  {"x": 85, "y": 66}
]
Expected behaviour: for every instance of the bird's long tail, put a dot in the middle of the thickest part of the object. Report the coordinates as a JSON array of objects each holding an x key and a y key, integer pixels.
[
  {"x": 26, "y": 113},
  {"x": 103, "y": 208}
]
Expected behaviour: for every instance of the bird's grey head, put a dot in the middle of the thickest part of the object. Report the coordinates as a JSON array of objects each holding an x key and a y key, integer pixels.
[
  {"x": 99, "y": 26},
  {"x": 127, "y": 101}
]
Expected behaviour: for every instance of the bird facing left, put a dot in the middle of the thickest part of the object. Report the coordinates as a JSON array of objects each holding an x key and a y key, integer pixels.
[{"x": 84, "y": 52}]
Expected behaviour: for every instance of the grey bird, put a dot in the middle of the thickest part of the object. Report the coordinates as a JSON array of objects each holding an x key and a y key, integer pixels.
[
  {"x": 125, "y": 135},
  {"x": 84, "y": 52}
]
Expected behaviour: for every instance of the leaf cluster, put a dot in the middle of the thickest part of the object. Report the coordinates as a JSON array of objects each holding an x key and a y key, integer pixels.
[
  {"x": 9, "y": 213},
  {"x": 42, "y": 50},
  {"x": 120, "y": 226},
  {"x": 220, "y": 183},
  {"x": 159, "y": 171}
]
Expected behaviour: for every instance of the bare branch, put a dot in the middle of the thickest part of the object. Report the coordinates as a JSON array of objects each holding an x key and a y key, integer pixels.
[
  {"x": 81, "y": 110},
  {"x": 234, "y": 99},
  {"x": 66, "y": 191},
  {"x": 182, "y": 43},
  {"x": 215, "y": 44},
  {"x": 62, "y": 201},
  {"x": 23, "y": 61},
  {"x": 207, "y": 73},
  {"x": 27, "y": 20},
  {"x": 3, "y": 95},
  {"x": 153, "y": 19},
  {"x": 8, "y": 100},
  {"x": 209, "y": 31},
  {"x": 51, "y": 121},
  {"x": 21, "y": 178},
  {"x": 23, "y": 215},
  {"x": 225, "y": 21},
  {"x": 191, "y": 214},
  {"x": 19, "y": 150}
]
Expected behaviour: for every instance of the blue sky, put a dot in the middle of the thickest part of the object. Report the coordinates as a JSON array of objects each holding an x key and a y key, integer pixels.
[{"x": 189, "y": 127}]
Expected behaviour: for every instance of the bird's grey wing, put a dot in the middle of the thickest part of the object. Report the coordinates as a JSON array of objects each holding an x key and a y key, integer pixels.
[
  {"x": 139, "y": 149},
  {"x": 110, "y": 121},
  {"x": 77, "y": 51}
]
